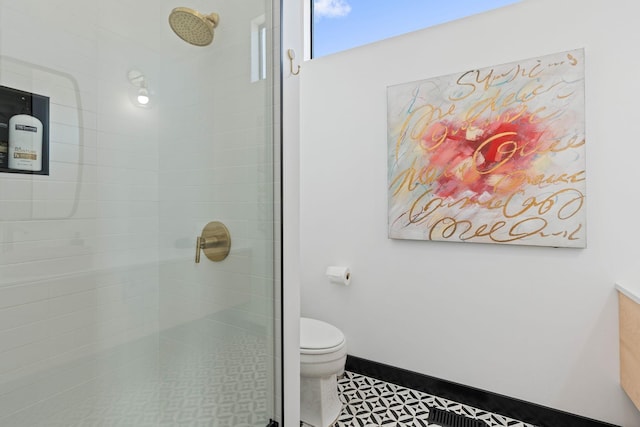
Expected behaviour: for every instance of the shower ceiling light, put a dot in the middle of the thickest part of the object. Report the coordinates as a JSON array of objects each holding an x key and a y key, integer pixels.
[{"x": 141, "y": 96}]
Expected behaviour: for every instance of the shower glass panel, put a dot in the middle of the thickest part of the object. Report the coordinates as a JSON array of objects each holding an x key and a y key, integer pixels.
[{"x": 105, "y": 317}]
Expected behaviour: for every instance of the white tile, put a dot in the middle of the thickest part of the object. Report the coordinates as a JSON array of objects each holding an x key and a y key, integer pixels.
[
  {"x": 71, "y": 116},
  {"x": 21, "y": 315},
  {"x": 74, "y": 339},
  {"x": 66, "y": 153},
  {"x": 23, "y": 335},
  {"x": 67, "y": 134},
  {"x": 16, "y": 189},
  {"x": 23, "y": 356},
  {"x": 71, "y": 285},
  {"x": 23, "y": 294},
  {"x": 66, "y": 323},
  {"x": 72, "y": 302}
]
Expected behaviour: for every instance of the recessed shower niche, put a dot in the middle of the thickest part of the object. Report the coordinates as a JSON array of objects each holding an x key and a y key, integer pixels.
[{"x": 24, "y": 132}]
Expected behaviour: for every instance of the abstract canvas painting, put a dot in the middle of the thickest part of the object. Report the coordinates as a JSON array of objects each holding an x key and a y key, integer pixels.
[{"x": 491, "y": 155}]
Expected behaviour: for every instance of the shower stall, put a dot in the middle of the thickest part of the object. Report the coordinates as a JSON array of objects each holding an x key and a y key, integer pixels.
[{"x": 156, "y": 143}]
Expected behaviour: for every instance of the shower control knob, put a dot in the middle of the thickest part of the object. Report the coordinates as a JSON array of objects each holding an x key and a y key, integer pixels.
[{"x": 215, "y": 242}]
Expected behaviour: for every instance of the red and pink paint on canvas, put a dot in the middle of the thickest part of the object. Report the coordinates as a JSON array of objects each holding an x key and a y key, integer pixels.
[{"x": 494, "y": 155}]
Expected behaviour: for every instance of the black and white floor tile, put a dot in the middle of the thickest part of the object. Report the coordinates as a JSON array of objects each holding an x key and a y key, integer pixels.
[{"x": 369, "y": 402}]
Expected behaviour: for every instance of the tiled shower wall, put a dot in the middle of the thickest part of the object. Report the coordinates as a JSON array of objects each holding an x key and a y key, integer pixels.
[
  {"x": 70, "y": 241},
  {"x": 100, "y": 252},
  {"x": 216, "y": 164}
]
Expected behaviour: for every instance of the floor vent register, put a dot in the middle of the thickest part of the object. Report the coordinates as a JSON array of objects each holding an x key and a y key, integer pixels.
[{"x": 450, "y": 419}]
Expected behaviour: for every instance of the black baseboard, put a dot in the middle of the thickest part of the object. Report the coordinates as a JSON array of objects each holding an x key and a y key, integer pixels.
[{"x": 531, "y": 413}]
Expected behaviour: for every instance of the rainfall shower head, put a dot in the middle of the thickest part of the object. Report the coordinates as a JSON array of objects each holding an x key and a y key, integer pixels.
[{"x": 192, "y": 26}]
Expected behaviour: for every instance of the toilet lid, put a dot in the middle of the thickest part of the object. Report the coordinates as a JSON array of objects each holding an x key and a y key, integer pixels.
[{"x": 316, "y": 334}]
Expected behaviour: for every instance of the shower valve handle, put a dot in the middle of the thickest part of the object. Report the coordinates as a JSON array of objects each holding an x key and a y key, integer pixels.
[
  {"x": 198, "y": 248},
  {"x": 215, "y": 242},
  {"x": 203, "y": 243}
]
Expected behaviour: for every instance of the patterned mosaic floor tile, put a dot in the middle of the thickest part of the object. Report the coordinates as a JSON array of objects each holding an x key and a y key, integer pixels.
[
  {"x": 223, "y": 383},
  {"x": 369, "y": 402}
]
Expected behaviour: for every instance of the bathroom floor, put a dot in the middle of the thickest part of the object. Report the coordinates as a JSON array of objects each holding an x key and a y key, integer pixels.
[
  {"x": 197, "y": 374},
  {"x": 369, "y": 402}
]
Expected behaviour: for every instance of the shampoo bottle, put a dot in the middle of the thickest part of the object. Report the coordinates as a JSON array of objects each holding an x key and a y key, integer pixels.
[{"x": 25, "y": 142}]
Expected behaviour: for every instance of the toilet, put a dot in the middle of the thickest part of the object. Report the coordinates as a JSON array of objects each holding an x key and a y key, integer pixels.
[{"x": 323, "y": 353}]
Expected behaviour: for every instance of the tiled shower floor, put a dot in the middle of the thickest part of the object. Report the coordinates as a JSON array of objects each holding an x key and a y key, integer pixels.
[
  {"x": 369, "y": 402},
  {"x": 196, "y": 375}
]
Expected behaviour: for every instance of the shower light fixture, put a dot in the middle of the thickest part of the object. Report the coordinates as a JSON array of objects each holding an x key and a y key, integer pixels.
[{"x": 141, "y": 96}]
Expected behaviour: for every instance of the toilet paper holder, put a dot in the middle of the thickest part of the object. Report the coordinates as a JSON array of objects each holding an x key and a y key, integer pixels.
[{"x": 215, "y": 242}]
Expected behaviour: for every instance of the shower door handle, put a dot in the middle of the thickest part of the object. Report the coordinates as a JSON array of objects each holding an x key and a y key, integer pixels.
[{"x": 215, "y": 242}]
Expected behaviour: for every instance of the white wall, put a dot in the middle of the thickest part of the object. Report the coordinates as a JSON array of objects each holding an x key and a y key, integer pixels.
[{"x": 538, "y": 324}]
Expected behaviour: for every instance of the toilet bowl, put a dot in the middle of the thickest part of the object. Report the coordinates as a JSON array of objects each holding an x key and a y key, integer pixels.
[{"x": 323, "y": 353}]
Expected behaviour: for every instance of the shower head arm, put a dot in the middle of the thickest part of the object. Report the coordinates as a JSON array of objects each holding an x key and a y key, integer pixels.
[{"x": 214, "y": 18}]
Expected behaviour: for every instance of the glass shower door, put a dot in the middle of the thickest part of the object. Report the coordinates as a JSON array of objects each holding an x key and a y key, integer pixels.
[
  {"x": 106, "y": 318},
  {"x": 216, "y": 165}
]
